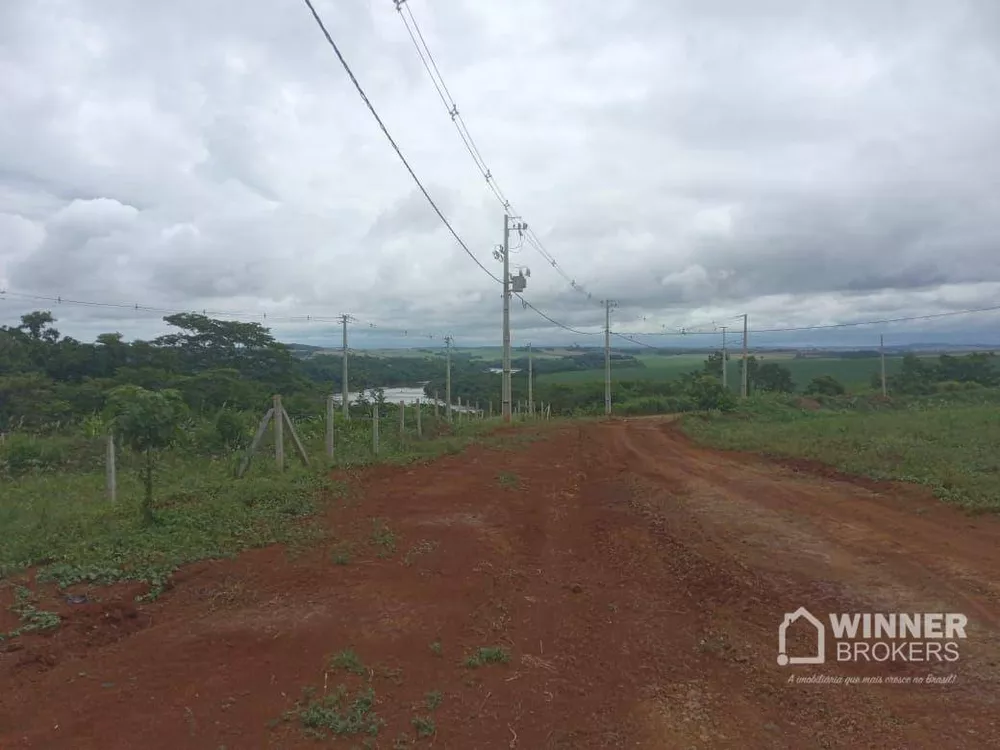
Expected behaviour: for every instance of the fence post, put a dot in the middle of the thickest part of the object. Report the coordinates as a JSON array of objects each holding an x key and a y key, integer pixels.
[
  {"x": 459, "y": 418},
  {"x": 279, "y": 434},
  {"x": 402, "y": 420},
  {"x": 419, "y": 430},
  {"x": 329, "y": 427},
  {"x": 375, "y": 428},
  {"x": 435, "y": 405},
  {"x": 491, "y": 408},
  {"x": 112, "y": 479},
  {"x": 479, "y": 414}
]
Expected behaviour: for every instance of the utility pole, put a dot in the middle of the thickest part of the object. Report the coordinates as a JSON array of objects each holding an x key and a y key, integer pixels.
[
  {"x": 505, "y": 385},
  {"x": 531, "y": 398},
  {"x": 881, "y": 353},
  {"x": 343, "y": 377},
  {"x": 725, "y": 357},
  {"x": 447, "y": 380},
  {"x": 608, "y": 304},
  {"x": 743, "y": 385}
]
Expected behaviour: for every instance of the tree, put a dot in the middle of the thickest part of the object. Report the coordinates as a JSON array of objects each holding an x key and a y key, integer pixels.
[
  {"x": 707, "y": 393},
  {"x": 713, "y": 365},
  {"x": 825, "y": 385},
  {"x": 148, "y": 422},
  {"x": 772, "y": 377}
]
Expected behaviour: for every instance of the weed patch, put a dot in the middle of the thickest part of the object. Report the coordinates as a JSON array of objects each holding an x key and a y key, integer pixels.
[
  {"x": 383, "y": 538},
  {"x": 433, "y": 700},
  {"x": 424, "y": 726},
  {"x": 509, "y": 480},
  {"x": 32, "y": 619},
  {"x": 347, "y": 661},
  {"x": 487, "y": 655},
  {"x": 338, "y": 713}
]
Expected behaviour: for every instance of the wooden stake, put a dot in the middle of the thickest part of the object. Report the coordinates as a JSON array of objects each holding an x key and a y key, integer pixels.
[
  {"x": 329, "y": 428},
  {"x": 112, "y": 479},
  {"x": 435, "y": 405},
  {"x": 258, "y": 436},
  {"x": 375, "y": 429},
  {"x": 419, "y": 430},
  {"x": 279, "y": 434},
  {"x": 402, "y": 420},
  {"x": 295, "y": 438}
]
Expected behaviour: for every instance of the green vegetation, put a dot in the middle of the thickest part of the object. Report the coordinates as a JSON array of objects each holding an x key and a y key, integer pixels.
[
  {"x": 436, "y": 648},
  {"x": 347, "y": 661},
  {"x": 433, "y": 699},
  {"x": 946, "y": 441},
  {"x": 508, "y": 479},
  {"x": 383, "y": 537},
  {"x": 487, "y": 655},
  {"x": 341, "y": 554},
  {"x": 32, "y": 618},
  {"x": 338, "y": 713},
  {"x": 147, "y": 422},
  {"x": 424, "y": 726}
]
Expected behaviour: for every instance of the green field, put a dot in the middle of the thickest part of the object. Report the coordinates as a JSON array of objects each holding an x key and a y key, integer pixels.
[
  {"x": 947, "y": 443},
  {"x": 854, "y": 373}
]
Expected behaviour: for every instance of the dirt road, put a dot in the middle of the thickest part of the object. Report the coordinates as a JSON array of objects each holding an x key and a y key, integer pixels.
[{"x": 636, "y": 581}]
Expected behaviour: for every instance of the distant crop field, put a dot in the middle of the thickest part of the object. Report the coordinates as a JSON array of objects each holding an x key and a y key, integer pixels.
[{"x": 854, "y": 373}]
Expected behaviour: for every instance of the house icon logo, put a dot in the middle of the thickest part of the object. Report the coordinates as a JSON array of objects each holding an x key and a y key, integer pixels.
[{"x": 801, "y": 613}]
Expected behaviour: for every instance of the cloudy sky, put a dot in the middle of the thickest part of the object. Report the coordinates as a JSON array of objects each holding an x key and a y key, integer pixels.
[{"x": 806, "y": 162}]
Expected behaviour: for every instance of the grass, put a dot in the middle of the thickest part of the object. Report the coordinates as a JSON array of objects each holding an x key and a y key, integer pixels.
[
  {"x": 341, "y": 554},
  {"x": 347, "y": 661},
  {"x": 32, "y": 618},
  {"x": 383, "y": 537},
  {"x": 487, "y": 655},
  {"x": 508, "y": 479},
  {"x": 338, "y": 713},
  {"x": 57, "y": 516},
  {"x": 433, "y": 700},
  {"x": 424, "y": 726},
  {"x": 947, "y": 443},
  {"x": 436, "y": 648}
]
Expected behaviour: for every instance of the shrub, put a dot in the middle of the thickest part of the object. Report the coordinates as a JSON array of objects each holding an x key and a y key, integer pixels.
[{"x": 825, "y": 385}]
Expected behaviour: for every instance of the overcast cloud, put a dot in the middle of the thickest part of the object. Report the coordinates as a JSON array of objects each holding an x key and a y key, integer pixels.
[{"x": 805, "y": 162}]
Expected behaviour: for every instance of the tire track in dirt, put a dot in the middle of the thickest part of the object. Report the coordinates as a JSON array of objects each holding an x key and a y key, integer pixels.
[{"x": 836, "y": 547}]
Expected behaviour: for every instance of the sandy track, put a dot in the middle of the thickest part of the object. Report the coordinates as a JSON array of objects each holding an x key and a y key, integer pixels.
[{"x": 637, "y": 581}]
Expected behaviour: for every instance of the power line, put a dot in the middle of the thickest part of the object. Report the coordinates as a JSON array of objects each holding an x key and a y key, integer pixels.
[
  {"x": 399, "y": 153},
  {"x": 392, "y": 142},
  {"x": 556, "y": 322},
  {"x": 451, "y": 106}
]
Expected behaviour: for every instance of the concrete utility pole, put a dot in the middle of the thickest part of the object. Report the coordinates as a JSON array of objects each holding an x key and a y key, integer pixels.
[
  {"x": 881, "y": 353},
  {"x": 343, "y": 385},
  {"x": 608, "y": 304},
  {"x": 447, "y": 380},
  {"x": 505, "y": 385},
  {"x": 531, "y": 399},
  {"x": 743, "y": 385},
  {"x": 725, "y": 383}
]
